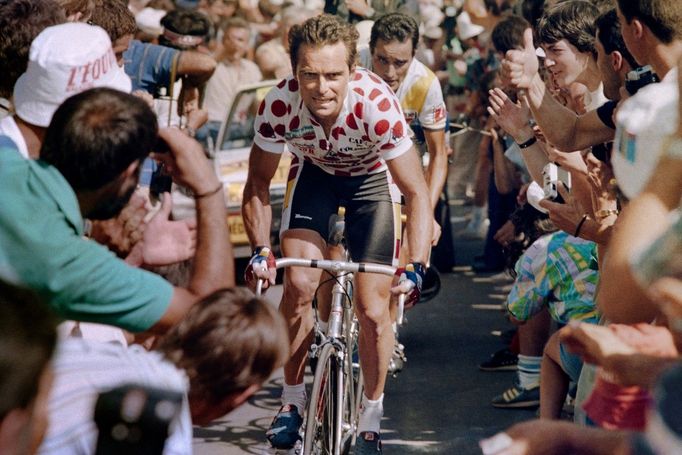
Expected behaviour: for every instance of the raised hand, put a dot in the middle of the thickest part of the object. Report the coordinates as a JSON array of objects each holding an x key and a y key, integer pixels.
[
  {"x": 519, "y": 67},
  {"x": 166, "y": 242},
  {"x": 512, "y": 117}
]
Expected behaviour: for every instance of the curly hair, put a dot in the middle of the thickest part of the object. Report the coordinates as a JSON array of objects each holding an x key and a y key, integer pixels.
[
  {"x": 574, "y": 21},
  {"x": 114, "y": 17},
  {"x": 323, "y": 30},
  {"x": 226, "y": 343},
  {"x": 21, "y": 21},
  {"x": 395, "y": 27},
  {"x": 529, "y": 225}
]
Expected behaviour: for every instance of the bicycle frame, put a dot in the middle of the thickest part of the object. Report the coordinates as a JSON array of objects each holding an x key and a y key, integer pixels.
[{"x": 335, "y": 365}]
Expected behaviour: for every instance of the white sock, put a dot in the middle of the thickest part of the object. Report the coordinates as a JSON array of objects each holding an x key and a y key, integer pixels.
[
  {"x": 371, "y": 412},
  {"x": 294, "y": 394},
  {"x": 529, "y": 371}
]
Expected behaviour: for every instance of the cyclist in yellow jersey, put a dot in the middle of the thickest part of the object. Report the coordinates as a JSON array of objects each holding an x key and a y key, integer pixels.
[{"x": 392, "y": 47}]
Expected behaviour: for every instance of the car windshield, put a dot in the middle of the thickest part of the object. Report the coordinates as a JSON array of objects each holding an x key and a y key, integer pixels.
[{"x": 240, "y": 119}]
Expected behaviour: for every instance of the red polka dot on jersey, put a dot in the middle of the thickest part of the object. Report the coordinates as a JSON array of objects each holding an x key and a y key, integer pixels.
[
  {"x": 288, "y": 108},
  {"x": 366, "y": 138},
  {"x": 398, "y": 129},
  {"x": 381, "y": 127},
  {"x": 266, "y": 130},
  {"x": 261, "y": 108},
  {"x": 294, "y": 123},
  {"x": 309, "y": 136},
  {"x": 359, "y": 91},
  {"x": 350, "y": 121},
  {"x": 374, "y": 93},
  {"x": 293, "y": 85},
  {"x": 375, "y": 167},
  {"x": 358, "y": 76},
  {"x": 357, "y": 110},
  {"x": 384, "y": 105},
  {"x": 387, "y": 146},
  {"x": 323, "y": 144},
  {"x": 282, "y": 83},
  {"x": 280, "y": 129},
  {"x": 338, "y": 131},
  {"x": 375, "y": 79},
  {"x": 278, "y": 108}
]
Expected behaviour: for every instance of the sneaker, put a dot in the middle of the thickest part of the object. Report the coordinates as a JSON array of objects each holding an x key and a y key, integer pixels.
[
  {"x": 284, "y": 429},
  {"x": 503, "y": 360},
  {"x": 367, "y": 443},
  {"x": 518, "y": 397}
]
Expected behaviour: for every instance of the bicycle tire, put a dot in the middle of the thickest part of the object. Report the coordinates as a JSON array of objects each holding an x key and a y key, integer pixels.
[{"x": 323, "y": 425}]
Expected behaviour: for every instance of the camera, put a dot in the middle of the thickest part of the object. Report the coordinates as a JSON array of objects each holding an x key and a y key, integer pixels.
[
  {"x": 638, "y": 78},
  {"x": 552, "y": 177},
  {"x": 135, "y": 420}
]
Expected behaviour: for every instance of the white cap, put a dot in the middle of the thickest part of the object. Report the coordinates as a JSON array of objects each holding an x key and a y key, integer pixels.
[
  {"x": 149, "y": 21},
  {"x": 64, "y": 60},
  {"x": 465, "y": 28}
]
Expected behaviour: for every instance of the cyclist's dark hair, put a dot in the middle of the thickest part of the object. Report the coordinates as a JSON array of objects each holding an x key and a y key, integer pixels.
[
  {"x": 508, "y": 33},
  {"x": 95, "y": 135},
  {"x": 114, "y": 17},
  {"x": 21, "y": 21},
  {"x": 610, "y": 37},
  {"x": 185, "y": 22},
  {"x": 574, "y": 21},
  {"x": 662, "y": 17},
  {"x": 322, "y": 30},
  {"x": 395, "y": 27},
  {"x": 529, "y": 225},
  {"x": 28, "y": 335}
]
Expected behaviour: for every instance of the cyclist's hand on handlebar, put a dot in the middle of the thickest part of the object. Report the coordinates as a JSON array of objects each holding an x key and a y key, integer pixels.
[
  {"x": 261, "y": 266},
  {"x": 410, "y": 279}
]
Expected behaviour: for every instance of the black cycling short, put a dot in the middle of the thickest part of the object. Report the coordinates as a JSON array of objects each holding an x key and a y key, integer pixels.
[{"x": 372, "y": 202}]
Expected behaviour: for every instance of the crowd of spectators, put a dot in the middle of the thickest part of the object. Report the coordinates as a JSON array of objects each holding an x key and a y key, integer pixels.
[{"x": 564, "y": 135}]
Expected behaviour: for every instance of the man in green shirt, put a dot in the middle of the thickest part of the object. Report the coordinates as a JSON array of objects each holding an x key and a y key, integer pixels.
[{"x": 91, "y": 158}]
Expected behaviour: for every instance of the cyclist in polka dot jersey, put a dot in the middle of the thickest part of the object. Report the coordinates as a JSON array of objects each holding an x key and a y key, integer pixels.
[{"x": 351, "y": 147}]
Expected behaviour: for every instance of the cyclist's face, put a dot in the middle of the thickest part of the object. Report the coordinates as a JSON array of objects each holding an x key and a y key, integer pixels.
[
  {"x": 391, "y": 60},
  {"x": 323, "y": 76}
]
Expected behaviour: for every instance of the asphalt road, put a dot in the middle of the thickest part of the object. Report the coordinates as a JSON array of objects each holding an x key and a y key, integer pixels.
[{"x": 440, "y": 403}]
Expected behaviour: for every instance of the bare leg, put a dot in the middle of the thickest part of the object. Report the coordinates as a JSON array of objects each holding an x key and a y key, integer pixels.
[
  {"x": 299, "y": 287},
  {"x": 533, "y": 335},
  {"x": 553, "y": 381},
  {"x": 376, "y": 334}
]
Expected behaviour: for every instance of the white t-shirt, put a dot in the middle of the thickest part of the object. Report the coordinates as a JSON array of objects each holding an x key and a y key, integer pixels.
[
  {"x": 369, "y": 131},
  {"x": 420, "y": 95},
  {"x": 642, "y": 124},
  {"x": 83, "y": 369},
  {"x": 9, "y": 128}
]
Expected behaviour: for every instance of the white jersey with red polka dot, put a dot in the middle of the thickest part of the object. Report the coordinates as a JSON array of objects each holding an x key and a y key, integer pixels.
[{"x": 369, "y": 131}]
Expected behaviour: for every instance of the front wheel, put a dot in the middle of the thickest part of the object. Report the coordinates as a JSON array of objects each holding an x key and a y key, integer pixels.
[{"x": 323, "y": 420}]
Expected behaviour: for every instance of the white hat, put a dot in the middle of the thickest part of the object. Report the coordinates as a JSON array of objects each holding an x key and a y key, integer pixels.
[
  {"x": 465, "y": 28},
  {"x": 64, "y": 60},
  {"x": 149, "y": 21}
]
